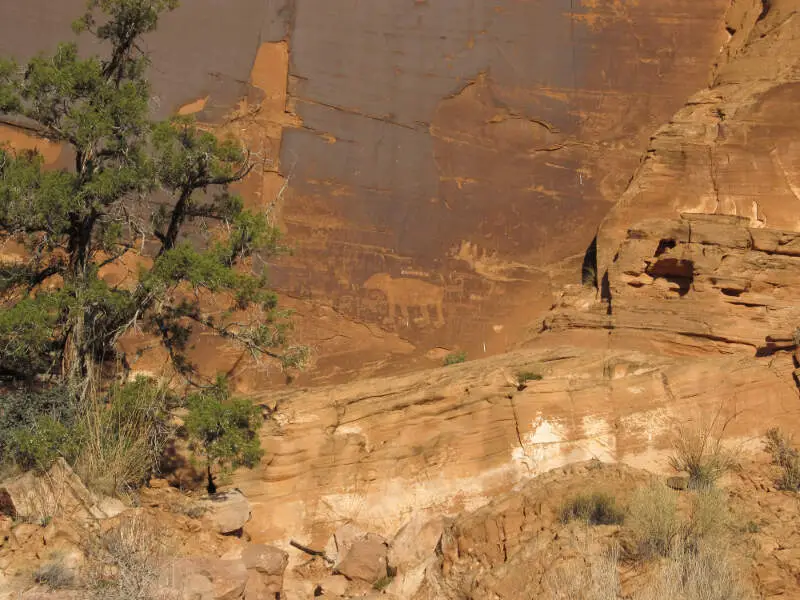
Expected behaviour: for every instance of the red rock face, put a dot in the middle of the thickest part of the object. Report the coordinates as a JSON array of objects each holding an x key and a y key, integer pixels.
[{"x": 462, "y": 152}]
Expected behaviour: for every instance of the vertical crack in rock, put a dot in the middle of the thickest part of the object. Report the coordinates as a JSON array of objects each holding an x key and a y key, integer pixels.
[
  {"x": 516, "y": 427},
  {"x": 766, "y": 5}
]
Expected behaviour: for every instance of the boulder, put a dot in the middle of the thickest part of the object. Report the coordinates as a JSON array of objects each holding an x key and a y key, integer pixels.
[
  {"x": 415, "y": 542},
  {"x": 334, "y": 585},
  {"x": 227, "y": 512},
  {"x": 268, "y": 563},
  {"x": 678, "y": 483},
  {"x": 339, "y": 543},
  {"x": 296, "y": 588},
  {"x": 267, "y": 560},
  {"x": 58, "y": 492},
  {"x": 206, "y": 578},
  {"x": 34, "y": 496},
  {"x": 365, "y": 560},
  {"x": 411, "y": 551},
  {"x": 6, "y": 524},
  {"x": 256, "y": 588}
]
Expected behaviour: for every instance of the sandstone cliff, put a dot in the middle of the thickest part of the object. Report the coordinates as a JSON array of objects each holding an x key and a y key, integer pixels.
[{"x": 465, "y": 153}]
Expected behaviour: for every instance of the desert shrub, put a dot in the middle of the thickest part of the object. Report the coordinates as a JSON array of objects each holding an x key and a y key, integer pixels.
[
  {"x": 709, "y": 518},
  {"x": 595, "y": 579},
  {"x": 223, "y": 430},
  {"x": 701, "y": 454},
  {"x": 652, "y": 521},
  {"x": 383, "y": 583},
  {"x": 55, "y": 574},
  {"x": 750, "y": 527},
  {"x": 703, "y": 573},
  {"x": 125, "y": 435},
  {"x": 37, "y": 445},
  {"x": 28, "y": 414},
  {"x": 597, "y": 508},
  {"x": 114, "y": 442},
  {"x": 455, "y": 358},
  {"x": 786, "y": 456},
  {"x": 524, "y": 377},
  {"x": 125, "y": 562}
]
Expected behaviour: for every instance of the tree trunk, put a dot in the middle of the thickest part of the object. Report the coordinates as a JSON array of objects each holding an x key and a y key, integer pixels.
[{"x": 211, "y": 488}]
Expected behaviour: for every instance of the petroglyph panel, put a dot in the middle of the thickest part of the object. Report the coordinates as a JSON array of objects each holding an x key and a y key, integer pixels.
[{"x": 405, "y": 293}]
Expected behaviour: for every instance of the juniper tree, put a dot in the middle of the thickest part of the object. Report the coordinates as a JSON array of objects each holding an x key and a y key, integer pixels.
[
  {"x": 223, "y": 430},
  {"x": 159, "y": 190}
]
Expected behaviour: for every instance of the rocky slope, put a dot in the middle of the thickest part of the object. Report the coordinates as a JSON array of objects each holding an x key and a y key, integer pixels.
[
  {"x": 699, "y": 328},
  {"x": 515, "y": 546}
]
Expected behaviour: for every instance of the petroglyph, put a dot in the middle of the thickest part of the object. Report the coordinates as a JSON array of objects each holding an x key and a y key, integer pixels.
[
  {"x": 489, "y": 265},
  {"x": 406, "y": 292}
]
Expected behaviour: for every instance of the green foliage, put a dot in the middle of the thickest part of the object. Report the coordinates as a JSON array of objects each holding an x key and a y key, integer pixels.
[
  {"x": 75, "y": 221},
  {"x": 223, "y": 429},
  {"x": 597, "y": 508},
  {"x": 383, "y": 583},
  {"x": 27, "y": 343},
  {"x": 751, "y": 527},
  {"x": 524, "y": 377},
  {"x": 38, "y": 446},
  {"x": 26, "y": 415},
  {"x": 114, "y": 443},
  {"x": 455, "y": 358},
  {"x": 786, "y": 456}
]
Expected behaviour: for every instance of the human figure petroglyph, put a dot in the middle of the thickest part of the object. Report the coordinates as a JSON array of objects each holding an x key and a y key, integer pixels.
[{"x": 405, "y": 292}]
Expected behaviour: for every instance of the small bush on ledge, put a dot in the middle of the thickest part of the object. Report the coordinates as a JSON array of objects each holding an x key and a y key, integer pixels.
[
  {"x": 597, "y": 508},
  {"x": 455, "y": 358}
]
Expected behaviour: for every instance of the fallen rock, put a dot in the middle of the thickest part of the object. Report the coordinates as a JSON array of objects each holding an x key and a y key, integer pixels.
[
  {"x": 227, "y": 511},
  {"x": 365, "y": 560},
  {"x": 411, "y": 551},
  {"x": 256, "y": 588},
  {"x": 6, "y": 524},
  {"x": 59, "y": 491},
  {"x": 206, "y": 578},
  {"x": 678, "y": 483},
  {"x": 415, "y": 542},
  {"x": 23, "y": 532},
  {"x": 269, "y": 563},
  {"x": 341, "y": 540},
  {"x": 334, "y": 585},
  {"x": 267, "y": 560},
  {"x": 297, "y": 589}
]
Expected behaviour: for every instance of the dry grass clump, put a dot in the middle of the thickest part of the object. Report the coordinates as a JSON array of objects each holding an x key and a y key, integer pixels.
[
  {"x": 703, "y": 573},
  {"x": 125, "y": 562},
  {"x": 652, "y": 522},
  {"x": 597, "y": 508},
  {"x": 709, "y": 518},
  {"x": 596, "y": 579},
  {"x": 655, "y": 529},
  {"x": 55, "y": 574},
  {"x": 786, "y": 456},
  {"x": 701, "y": 454},
  {"x": 125, "y": 436}
]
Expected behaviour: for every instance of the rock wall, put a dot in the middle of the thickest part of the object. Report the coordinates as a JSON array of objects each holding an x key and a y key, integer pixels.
[
  {"x": 699, "y": 333},
  {"x": 733, "y": 148},
  {"x": 434, "y": 163}
]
